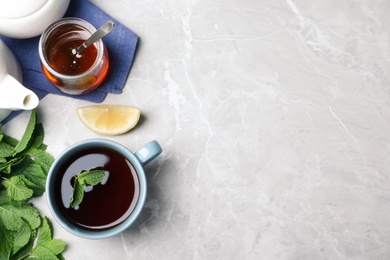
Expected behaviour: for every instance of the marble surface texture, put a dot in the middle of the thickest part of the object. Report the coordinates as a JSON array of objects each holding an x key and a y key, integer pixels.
[{"x": 274, "y": 117}]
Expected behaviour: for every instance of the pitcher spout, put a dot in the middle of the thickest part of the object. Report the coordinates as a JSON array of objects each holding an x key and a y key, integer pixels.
[{"x": 14, "y": 96}]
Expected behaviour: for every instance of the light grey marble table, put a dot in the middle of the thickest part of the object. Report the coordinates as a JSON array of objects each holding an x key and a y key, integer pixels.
[{"x": 274, "y": 117}]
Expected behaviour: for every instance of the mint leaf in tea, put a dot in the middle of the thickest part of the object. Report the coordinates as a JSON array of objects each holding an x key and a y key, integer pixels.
[{"x": 91, "y": 178}]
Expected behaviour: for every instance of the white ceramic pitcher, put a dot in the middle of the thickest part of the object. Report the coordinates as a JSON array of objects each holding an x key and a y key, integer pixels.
[{"x": 13, "y": 95}]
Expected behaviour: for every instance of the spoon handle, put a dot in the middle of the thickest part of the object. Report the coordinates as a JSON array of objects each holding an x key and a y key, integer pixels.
[{"x": 100, "y": 33}]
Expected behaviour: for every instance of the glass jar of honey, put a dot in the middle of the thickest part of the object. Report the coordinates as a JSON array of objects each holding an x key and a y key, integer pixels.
[{"x": 73, "y": 73}]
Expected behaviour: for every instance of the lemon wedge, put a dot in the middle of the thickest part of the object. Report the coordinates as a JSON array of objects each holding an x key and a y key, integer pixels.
[{"x": 109, "y": 119}]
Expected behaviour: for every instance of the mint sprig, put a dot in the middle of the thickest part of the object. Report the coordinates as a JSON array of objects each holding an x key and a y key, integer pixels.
[
  {"x": 24, "y": 166},
  {"x": 90, "y": 178}
]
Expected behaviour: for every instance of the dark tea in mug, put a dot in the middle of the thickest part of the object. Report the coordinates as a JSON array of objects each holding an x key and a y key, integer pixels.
[{"x": 105, "y": 205}]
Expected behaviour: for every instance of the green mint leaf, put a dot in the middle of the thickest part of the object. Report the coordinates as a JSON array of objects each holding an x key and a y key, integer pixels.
[
  {"x": 1, "y": 132},
  {"x": 37, "y": 139},
  {"x": 78, "y": 193},
  {"x": 6, "y": 150},
  {"x": 41, "y": 252},
  {"x": 57, "y": 246},
  {"x": 24, "y": 252},
  {"x": 32, "y": 175},
  {"x": 45, "y": 238},
  {"x": 45, "y": 232},
  {"x": 15, "y": 213},
  {"x": 23, "y": 143},
  {"x": 17, "y": 189},
  {"x": 93, "y": 177},
  {"x": 6, "y": 167},
  {"x": 11, "y": 221},
  {"x": 22, "y": 237},
  {"x": 6, "y": 242},
  {"x": 37, "y": 189},
  {"x": 44, "y": 159},
  {"x": 4, "y": 197},
  {"x": 10, "y": 140}
]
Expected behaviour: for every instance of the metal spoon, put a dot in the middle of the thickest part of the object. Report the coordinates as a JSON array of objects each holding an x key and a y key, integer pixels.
[{"x": 100, "y": 33}]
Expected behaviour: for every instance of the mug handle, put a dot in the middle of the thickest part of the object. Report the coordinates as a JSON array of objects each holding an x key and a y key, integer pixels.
[{"x": 148, "y": 152}]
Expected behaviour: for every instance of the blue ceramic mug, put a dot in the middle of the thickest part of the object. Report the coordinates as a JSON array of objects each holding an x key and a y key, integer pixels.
[{"x": 111, "y": 206}]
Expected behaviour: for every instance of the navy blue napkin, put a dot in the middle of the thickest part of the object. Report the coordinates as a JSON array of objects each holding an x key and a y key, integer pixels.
[{"x": 121, "y": 45}]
